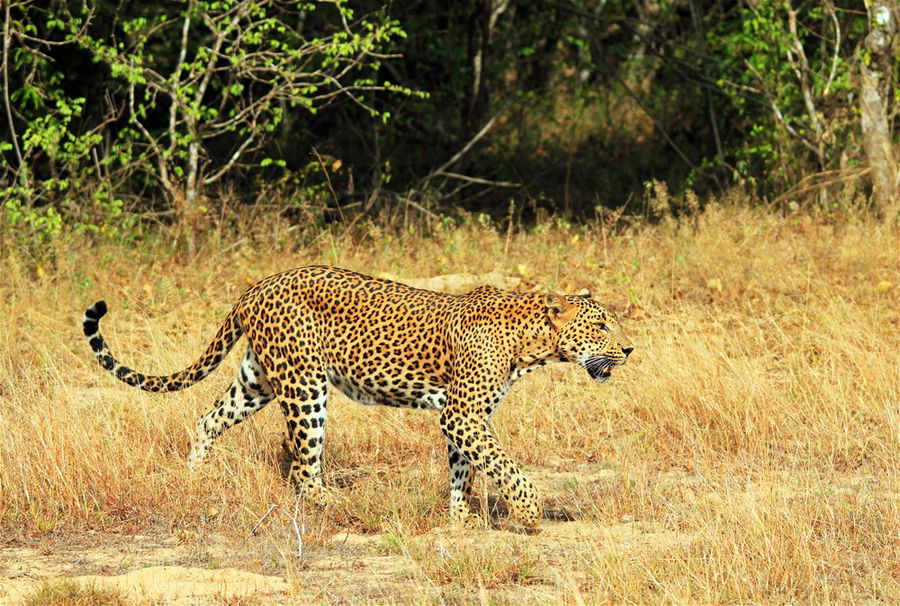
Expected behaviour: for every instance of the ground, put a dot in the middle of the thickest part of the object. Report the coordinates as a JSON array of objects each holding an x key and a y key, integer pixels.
[
  {"x": 562, "y": 562},
  {"x": 546, "y": 566}
]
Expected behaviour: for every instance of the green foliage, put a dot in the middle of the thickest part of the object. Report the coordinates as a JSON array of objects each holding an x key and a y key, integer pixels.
[
  {"x": 789, "y": 85},
  {"x": 25, "y": 225},
  {"x": 59, "y": 179},
  {"x": 127, "y": 111},
  {"x": 239, "y": 66},
  {"x": 181, "y": 100}
]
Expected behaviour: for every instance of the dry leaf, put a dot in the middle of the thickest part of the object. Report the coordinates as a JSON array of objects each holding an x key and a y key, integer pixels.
[{"x": 714, "y": 284}]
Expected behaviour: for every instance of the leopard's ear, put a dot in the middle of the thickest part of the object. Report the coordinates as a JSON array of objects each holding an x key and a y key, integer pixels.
[
  {"x": 559, "y": 310},
  {"x": 584, "y": 293}
]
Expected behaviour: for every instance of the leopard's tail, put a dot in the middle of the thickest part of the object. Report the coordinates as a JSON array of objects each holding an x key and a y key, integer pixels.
[{"x": 229, "y": 332}]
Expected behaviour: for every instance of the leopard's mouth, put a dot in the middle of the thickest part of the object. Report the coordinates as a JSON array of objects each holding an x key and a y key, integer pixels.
[{"x": 600, "y": 369}]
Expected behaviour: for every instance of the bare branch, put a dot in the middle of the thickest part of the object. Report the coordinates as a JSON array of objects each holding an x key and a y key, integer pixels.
[
  {"x": 413, "y": 204},
  {"x": 232, "y": 159},
  {"x": 160, "y": 159},
  {"x": 9, "y": 117},
  {"x": 477, "y": 180},
  {"x": 455, "y": 158},
  {"x": 299, "y": 530},
  {"x": 801, "y": 68},
  {"x": 272, "y": 507},
  {"x": 829, "y": 6},
  {"x": 176, "y": 74},
  {"x": 779, "y": 116}
]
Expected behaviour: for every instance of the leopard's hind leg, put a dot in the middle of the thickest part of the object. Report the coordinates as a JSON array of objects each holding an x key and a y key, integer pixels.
[
  {"x": 290, "y": 353},
  {"x": 303, "y": 396},
  {"x": 249, "y": 392},
  {"x": 461, "y": 476}
]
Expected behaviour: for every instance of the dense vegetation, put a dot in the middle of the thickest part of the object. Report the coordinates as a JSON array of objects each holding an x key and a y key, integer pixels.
[{"x": 120, "y": 113}]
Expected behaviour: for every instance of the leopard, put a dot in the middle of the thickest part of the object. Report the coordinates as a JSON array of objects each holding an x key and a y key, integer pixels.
[{"x": 382, "y": 342}]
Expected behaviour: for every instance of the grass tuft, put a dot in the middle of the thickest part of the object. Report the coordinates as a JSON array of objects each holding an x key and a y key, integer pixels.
[{"x": 70, "y": 593}]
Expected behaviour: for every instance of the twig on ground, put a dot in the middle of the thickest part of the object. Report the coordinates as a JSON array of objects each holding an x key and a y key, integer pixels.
[
  {"x": 300, "y": 529},
  {"x": 477, "y": 180},
  {"x": 272, "y": 507}
]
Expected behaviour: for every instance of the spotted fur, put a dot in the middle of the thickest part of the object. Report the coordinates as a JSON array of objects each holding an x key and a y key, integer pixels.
[{"x": 381, "y": 342}]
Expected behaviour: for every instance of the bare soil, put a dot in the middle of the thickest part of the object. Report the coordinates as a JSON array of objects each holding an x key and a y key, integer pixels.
[{"x": 391, "y": 567}]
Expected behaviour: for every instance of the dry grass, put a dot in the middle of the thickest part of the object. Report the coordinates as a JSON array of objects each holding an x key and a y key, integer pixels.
[
  {"x": 749, "y": 452},
  {"x": 69, "y": 593}
]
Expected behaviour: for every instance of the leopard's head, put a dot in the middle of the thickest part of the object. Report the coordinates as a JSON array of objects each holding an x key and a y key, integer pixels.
[{"x": 588, "y": 333}]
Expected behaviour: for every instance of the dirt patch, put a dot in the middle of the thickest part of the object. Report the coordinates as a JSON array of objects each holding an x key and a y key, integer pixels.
[
  {"x": 220, "y": 568},
  {"x": 143, "y": 568},
  {"x": 459, "y": 283},
  {"x": 562, "y": 562},
  {"x": 345, "y": 567},
  {"x": 442, "y": 565}
]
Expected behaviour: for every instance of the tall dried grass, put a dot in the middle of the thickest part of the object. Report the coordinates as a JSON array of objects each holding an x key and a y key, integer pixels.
[{"x": 760, "y": 417}]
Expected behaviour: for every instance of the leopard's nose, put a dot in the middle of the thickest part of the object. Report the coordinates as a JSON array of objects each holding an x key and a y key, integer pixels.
[{"x": 627, "y": 350}]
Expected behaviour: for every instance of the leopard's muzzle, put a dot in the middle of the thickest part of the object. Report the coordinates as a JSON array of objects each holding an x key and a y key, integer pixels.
[{"x": 600, "y": 368}]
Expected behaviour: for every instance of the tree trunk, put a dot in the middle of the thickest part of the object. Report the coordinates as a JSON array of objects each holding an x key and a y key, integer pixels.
[
  {"x": 481, "y": 28},
  {"x": 476, "y": 105},
  {"x": 874, "y": 84},
  {"x": 188, "y": 217}
]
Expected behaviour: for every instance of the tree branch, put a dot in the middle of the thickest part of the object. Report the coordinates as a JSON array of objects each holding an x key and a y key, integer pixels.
[
  {"x": 176, "y": 74},
  {"x": 455, "y": 158},
  {"x": 161, "y": 161},
  {"x": 477, "y": 180},
  {"x": 232, "y": 159},
  {"x": 775, "y": 110},
  {"x": 23, "y": 170},
  {"x": 829, "y": 6}
]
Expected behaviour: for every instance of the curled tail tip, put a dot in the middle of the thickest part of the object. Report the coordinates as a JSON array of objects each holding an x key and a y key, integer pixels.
[
  {"x": 91, "y": 320},
  {"x": 96, "y": 311}
]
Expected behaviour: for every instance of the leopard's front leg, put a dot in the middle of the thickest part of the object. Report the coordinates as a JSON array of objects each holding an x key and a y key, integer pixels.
[{"x": 470, "y": 434}]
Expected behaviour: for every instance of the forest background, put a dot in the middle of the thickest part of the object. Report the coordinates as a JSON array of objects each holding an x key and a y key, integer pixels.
[{"x": 120, "y": 114}]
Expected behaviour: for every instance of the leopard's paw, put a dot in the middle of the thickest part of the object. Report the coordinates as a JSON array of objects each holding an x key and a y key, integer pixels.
[{"x": 462, "y": 515}]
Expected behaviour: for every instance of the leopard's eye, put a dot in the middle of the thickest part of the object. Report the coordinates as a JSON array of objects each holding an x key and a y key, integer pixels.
[{"x": 603, "y": 326}]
